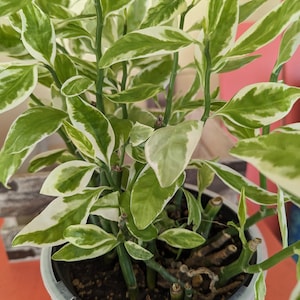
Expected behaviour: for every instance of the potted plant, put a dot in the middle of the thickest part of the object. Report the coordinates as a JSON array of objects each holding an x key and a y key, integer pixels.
[{"x": 121, "y": 177}]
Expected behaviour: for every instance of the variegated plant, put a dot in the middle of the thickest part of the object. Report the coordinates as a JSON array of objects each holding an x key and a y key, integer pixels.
[{"x": 100, "y": 60}]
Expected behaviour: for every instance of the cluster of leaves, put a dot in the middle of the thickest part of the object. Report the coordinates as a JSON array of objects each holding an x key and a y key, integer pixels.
[{"x": 98, "y": 65}]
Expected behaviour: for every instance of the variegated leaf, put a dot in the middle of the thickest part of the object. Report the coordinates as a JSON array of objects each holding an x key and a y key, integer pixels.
[
  {"x": 289, "y": 44},
  {"x": 169, "y": 150},
  {"x": 260, "y": 286},
  {"x": 181, "y": 238},
  {"x": 282, "y": 218},
  {"x": 48, "y": 227},
  {"x": 135, "y": 94},
  {"x": 137, "y": 252},
  {"x": 260, "y": 104},
  {"x": 257, "y": 35},
  {"x": 140, "y": 133},
  {"x": 107, "y": 207},
  {"x": 194, "y": 209},
  {"x": 76, "y": 85},
  {"x": 47, "y": 159},
  {"x": 156, "y": 73},
  {"x": 10, "y": 42},
  {"x": 223, "y": 21},
  {"x": 148, "y": 198},
  {"x": 163, "y": 11},
  {"x": 27, "y": 130},
  {"x": 64, "y": 67},
  {"x": 276, "y": 156},
  {"x": 136, "y": 13},
  {"x": 95, "y": 127},
  {"x": 109, "y": 7},
  {"x": 236, "y": 181},
  {"x": 68, "y": 179},
  {"x": 38, "y": 34},
  {"x": 147, "y": 234},
  {"x": 17, "y": 82},
  {"x": 246, "y": 9},
  {"x": 78, "y": 138},
  {"x": 87, "y": 236},
  {"x": 70, "y": 252},
  {"x": 8, "y": 7},
  {"x": 146, "y": 43}
]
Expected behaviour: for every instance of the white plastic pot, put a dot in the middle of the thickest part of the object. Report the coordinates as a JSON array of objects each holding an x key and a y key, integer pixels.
[{"x": 58, "y": 291}]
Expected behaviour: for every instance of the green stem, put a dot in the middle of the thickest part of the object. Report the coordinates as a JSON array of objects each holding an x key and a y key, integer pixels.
[
  {"x": 36, "y": 100},
  {"x": 210, "y": 211},
  {"x": 239, "y": 265},
  {"x": 126, "y": 266},
  {"x": 54, "y": 76},
  {"x": 127, "y": 271},
  {"x": 207, "y": 97},
  {"x": 274, "y": 259},
  {"x": 123, "y": 86},
  {"x": 171, "y": 87},
  {"x": 150, "y": 272},
  {"x": 151, "y": 263},
  {"x": 264, "y": 212},
  {"x": 100, "y": 72}
]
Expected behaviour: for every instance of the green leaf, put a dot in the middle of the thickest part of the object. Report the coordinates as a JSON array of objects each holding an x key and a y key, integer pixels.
[
  {"x": 181, "y": 238},
  {"x": 70, "y": 252},
  {"x": 38, "y": 34},
  {"x": 236, "y": 62},
  {"x": 145, "y": 43},
  {"x": 10, "y": 41},
  {"x": 246, "y": 9},
  {"x": 46, "y": 159},
  {"x": 157, "y": 73},
  {"x": 78, "y": 138},
  {"x": 282, "y": 218},
  {"x": 257, "y": 35},
  {"x": 223, "y": 22},
  {"x": 260, "y": 104},
  {"x": 194, "y": 209},
  {"x": 135, "y": 94},
  {"x": 48, "y": 227},
  {"x": 260, "y": 286},
  {"x": 148, "y": 198},
  {"x": 169, "y": 149},
  {"x": 108, "y": 207},
  {"x": 205, "y": 177},
  {"x": 137, "y": 252},
  {"x": 236, "y": 181},
  {"x": 147, "y": 234},
  {"x": 109, "y": 7},
  {"x": 11, "y": 6},
  {"x": 289, "y": 44},
  {"x": 23, "y": 76},
  {"x": 122, "y": 128},
  {"x": 140, "y": 133},
  {"x": 95, "y": 126},
  {"x": 276, "y": 156},
  {"x": 27, "y": 130},
  {"x": 135, "y": 14},
  {"x": 64, "y": 67},
  {"x": 87, "y": 236},
  {"x": 76, "y": 85},
  {"x": 242, "y": 216},
  {"x": 68, "y": 179},
  {"x": 162, "y": 12}
]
